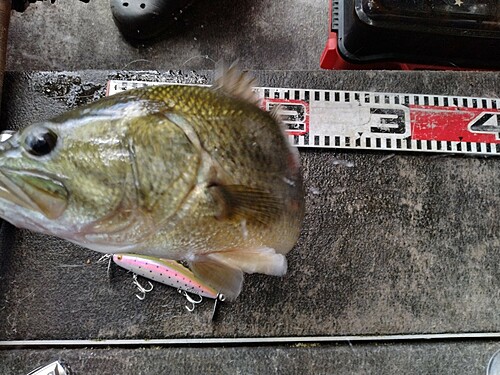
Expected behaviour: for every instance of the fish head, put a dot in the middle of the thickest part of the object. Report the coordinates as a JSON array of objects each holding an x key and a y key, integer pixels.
[{"x": 60, "y": 176}]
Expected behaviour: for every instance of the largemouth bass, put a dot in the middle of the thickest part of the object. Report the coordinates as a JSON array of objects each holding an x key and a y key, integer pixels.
[{"x": 175, "y": 172}]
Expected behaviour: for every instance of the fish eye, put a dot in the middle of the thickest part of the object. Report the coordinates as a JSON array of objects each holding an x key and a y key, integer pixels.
[{"x": 40, "y": 142}]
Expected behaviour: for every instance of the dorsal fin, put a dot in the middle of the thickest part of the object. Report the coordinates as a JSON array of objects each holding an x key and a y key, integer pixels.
[
  {"x": 278, "y": 113},
  {"x": 235, "y": 82}
]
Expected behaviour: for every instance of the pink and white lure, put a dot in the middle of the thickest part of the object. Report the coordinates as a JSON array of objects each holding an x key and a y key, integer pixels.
[{"x": 168, "y": 272}]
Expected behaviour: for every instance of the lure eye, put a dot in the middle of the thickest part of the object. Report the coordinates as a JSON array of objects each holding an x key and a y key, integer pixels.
[{"x": 40, "y": 142}]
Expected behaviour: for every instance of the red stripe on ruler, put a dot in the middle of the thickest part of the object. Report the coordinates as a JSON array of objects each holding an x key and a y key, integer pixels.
[{"x": 456, "y": 124}]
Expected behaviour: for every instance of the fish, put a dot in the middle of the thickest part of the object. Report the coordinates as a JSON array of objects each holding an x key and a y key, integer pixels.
[{"x": 180, "y": 172}]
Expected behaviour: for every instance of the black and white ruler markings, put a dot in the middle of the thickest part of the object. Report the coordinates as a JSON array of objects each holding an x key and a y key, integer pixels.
[{"x": 379, "y": 121}]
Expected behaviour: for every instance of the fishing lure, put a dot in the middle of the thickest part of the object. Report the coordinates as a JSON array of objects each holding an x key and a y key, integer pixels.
[{"x": 168, "y": 272}]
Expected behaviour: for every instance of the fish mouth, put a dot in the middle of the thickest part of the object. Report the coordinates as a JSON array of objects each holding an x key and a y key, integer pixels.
[{"x": 34, "y": 191}]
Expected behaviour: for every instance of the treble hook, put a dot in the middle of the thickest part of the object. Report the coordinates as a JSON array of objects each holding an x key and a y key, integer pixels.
[
  {"x": 220, "y": 297},
  {"x": 190, "y": 299},
  {"x": 141, "y": 288}
]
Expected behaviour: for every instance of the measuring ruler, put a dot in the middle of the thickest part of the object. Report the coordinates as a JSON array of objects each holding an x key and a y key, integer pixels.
[{"x": 378, "y": 121}]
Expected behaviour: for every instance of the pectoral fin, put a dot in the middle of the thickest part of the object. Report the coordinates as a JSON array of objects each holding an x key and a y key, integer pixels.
[{"x": 238, "y": 202}]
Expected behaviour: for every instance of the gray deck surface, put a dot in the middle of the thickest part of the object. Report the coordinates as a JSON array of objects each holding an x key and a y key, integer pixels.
[
  {"x": 261, "y": 34},
  {"x": 404, "y": 245},
  {"x": 417, "y": 359}
]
